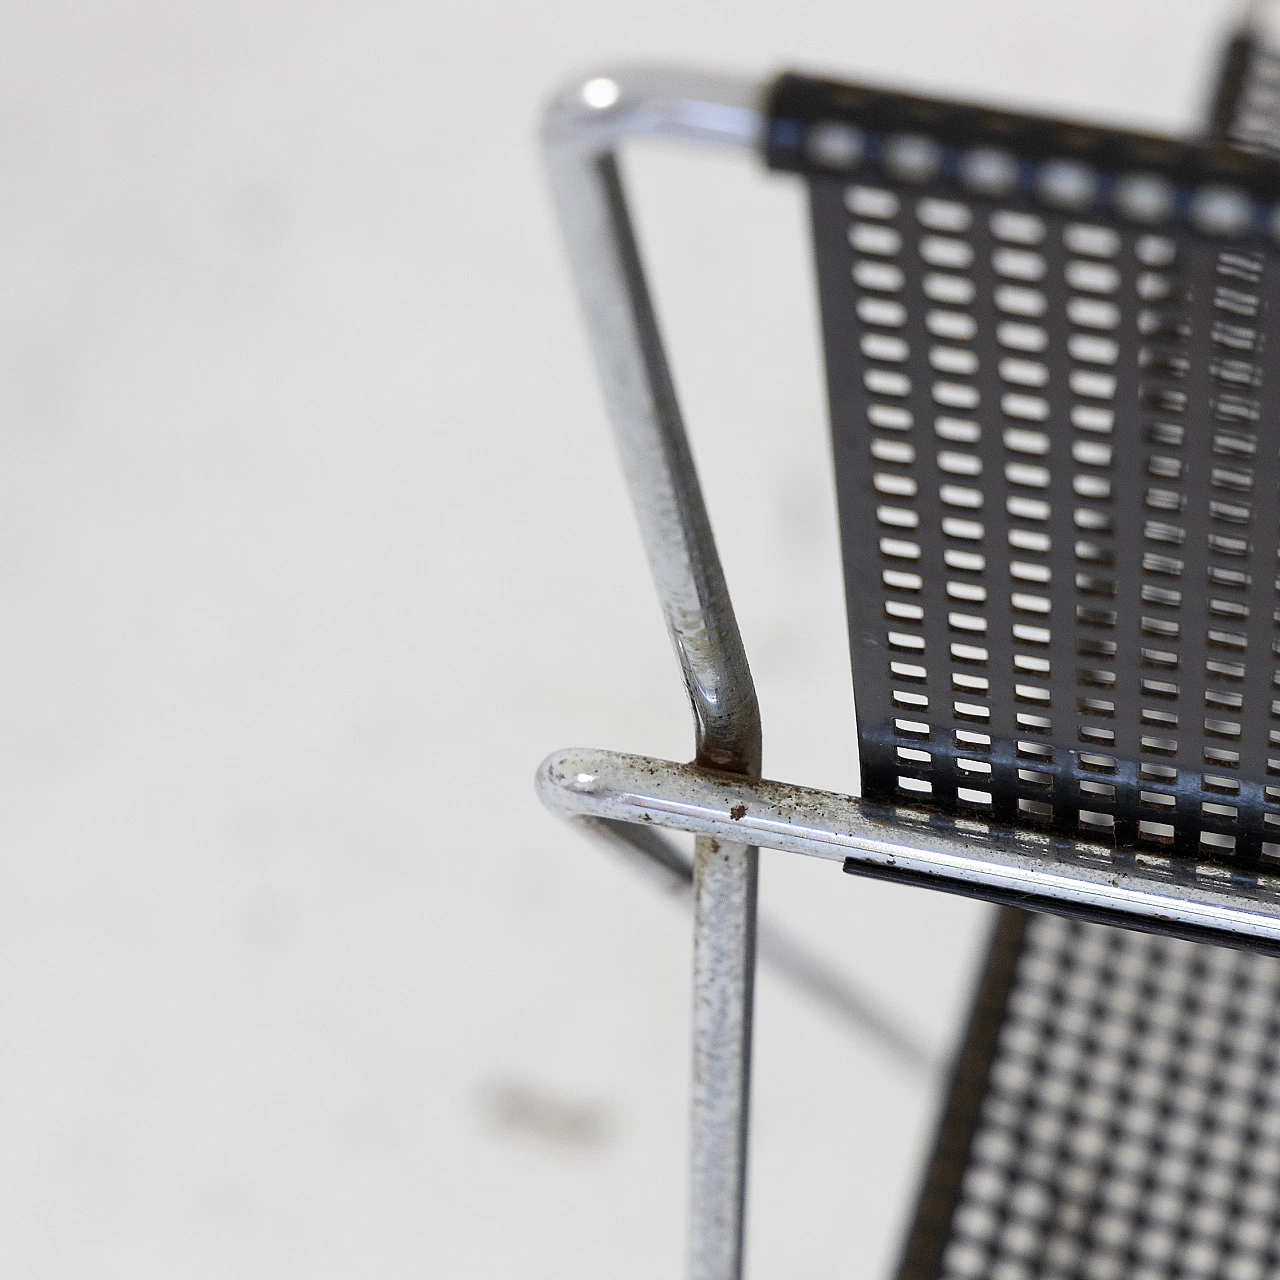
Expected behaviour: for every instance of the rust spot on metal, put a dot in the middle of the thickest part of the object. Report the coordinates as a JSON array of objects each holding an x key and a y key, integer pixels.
[{"x": 738, "y": 811}]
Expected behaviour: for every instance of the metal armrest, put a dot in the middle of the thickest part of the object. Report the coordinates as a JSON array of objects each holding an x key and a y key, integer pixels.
[{"x": 962, "y": 855}]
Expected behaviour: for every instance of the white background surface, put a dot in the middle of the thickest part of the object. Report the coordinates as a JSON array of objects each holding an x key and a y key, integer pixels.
[{"x": 313, "y": 543}]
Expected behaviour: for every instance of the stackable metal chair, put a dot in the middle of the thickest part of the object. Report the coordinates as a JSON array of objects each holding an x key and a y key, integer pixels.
[{"x": 1057, "y": 461}]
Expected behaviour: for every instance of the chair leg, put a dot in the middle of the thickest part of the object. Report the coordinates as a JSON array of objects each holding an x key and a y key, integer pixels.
[{"x": 724, "y": 962}]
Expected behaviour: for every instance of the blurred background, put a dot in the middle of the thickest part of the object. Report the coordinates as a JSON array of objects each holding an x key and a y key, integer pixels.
[{"x": 313, "y": 544}]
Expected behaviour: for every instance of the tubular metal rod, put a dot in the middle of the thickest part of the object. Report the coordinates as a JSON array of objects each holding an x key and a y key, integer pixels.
[
  {"x": 1046, "y": 872},
  {"x": 724, "y": 952},
  {"x": 582, "y": 129},
  {"x": 581, "y": 139}
]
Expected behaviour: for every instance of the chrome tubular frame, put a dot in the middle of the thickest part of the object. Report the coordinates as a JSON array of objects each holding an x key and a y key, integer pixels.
[
  {"x": 582, "y": 130},
  {"x": 720, "y": 797}
]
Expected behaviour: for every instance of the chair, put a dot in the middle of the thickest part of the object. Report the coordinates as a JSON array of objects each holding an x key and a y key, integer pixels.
[{"x": 1058, "y": 480}]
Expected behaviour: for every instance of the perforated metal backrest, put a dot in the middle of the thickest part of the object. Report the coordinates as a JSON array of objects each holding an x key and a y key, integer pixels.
[{"x": 1057, "y": 450}]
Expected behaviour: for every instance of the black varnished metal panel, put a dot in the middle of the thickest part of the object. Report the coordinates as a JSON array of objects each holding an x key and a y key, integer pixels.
[
  {"x": 1057, "y": 449},
  {"x": 796, "y": 103},
  {"x": 1112, "y": 1114}
]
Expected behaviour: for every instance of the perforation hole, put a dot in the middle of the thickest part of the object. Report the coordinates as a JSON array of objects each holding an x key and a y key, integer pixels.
[
  {"x": 955, "y": 360},
  {"x": 1099, "y": 386},
  {"x": 899, "y": 549},
  {"x": 1024, "y": 373},
  {"x": 890, "y": 417},
  {"x": 910, "y": 755},
  {"x": 1039, "y": 810},
  {"x": 1027, "y": 408},
  {"x": 959, "y": 464},
  {"x": 1027, "y": 475},
  {"x": 1019, "y": 264},
  {"x": 1097, "y": 790},
  {"x": 1092, "y": 241},
  {"x": 889, "y": 482},
  {"x": 904, "y": 640},
  {"x": 1093, "y": 313},
  {"x": 1017, "y": 228},
  {"x": 1089, "y": 453},
  {"x": 870, "y": 202},
  {"x": 897, "y": 517},
  {"x": 1016, "y": 301},
  {"x": 1215, "y": 842},
  {"x": 1095, "y": 678},
  {"x": 943, "y": 215},
  {"x": 893, "y": 451},
  {"x": 970, "y": 561},
  {"x": 958, "y": 326},
  {"x": 909, "y": 671},
  {"x": 883, "y": 277},
  {"x": 954, "y": 395},
  {"x": 882, "y": 311},
  {"x": 901, "y": 609},
  {"x": 1022, "y": 337},
  {"x": 1087, "y": 417},
  {"x": 1223, "y": 699},
  {"x": 957, "y": 430},
  {"x": 1024, "y": 571},
  {"x": 868, "y": 237},
  {"x": 916, "y": 786},
  {"x": 1092, "y": 349},
  {"x": 1092, "y": 277},
  {"x": 886, "y": 382},
  {"x": 883, "y": 346},
  {"x": 1095, "y": 822},
  {"x": 956, "y": 291},
  {"x": 946, "y": 251}
]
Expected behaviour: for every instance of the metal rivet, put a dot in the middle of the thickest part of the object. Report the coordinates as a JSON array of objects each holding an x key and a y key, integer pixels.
[
  {"x": 1221, "y": 211},
  {"x": 1144, "y": 197},
  {"x": 1067, "y": 184},
  {"x": 833, "y": 145},
  {"x": 912, "y": 158},
  {"x": 988, "y": 171}
]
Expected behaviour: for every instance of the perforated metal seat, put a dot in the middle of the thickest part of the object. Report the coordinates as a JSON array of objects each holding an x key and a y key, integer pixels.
[
  {"x": 1059, "y": 489},
  {"x": 1115, "y": 1112}
]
